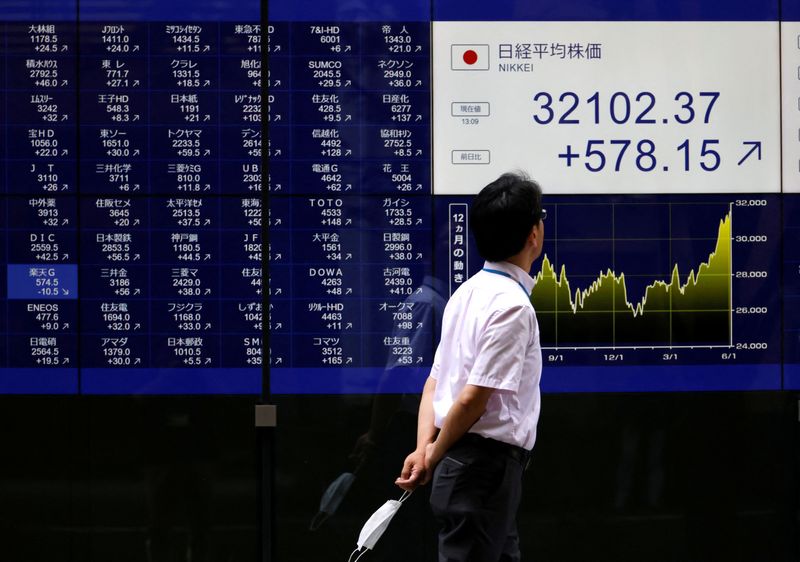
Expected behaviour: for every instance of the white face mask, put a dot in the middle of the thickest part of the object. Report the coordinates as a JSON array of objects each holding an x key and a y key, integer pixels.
[
  {"x": 332, "y": 497},
  {"x": 375, "y": 526}
]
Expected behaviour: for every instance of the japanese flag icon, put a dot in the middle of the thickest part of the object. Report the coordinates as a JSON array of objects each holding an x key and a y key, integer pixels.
[{"x": 469, "y": 57}]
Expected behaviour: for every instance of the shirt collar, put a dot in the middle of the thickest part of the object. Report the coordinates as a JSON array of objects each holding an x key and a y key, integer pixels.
[{"x": 517, "y": 273}]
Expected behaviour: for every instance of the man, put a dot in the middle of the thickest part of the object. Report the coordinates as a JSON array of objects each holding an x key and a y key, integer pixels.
[{"x": 480, "y": 405}]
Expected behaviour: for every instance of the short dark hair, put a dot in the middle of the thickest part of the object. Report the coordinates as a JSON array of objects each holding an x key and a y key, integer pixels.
[{"x": 503, "y": 213}]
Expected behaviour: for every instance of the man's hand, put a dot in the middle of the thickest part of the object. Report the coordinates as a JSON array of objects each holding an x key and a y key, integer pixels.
[{"x": 414, "y": 472}]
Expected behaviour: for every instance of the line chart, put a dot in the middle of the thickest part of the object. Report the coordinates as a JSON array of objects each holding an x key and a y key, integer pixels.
[{"x": 681, "y": 309}]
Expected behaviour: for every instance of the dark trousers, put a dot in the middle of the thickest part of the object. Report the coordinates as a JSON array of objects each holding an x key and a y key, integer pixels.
[{"x": 475, "y": 495}]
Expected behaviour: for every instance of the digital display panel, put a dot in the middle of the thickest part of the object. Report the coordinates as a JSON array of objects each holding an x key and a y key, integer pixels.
[
  {"x": 649, "y": 293},
  {"x": 350, "y": 198},
  {"x": 661, "y": 169},
  {"x": 790, "y": 58},
  {"x": 132, "y": 198},
  {"x": 665, "y": 136}
]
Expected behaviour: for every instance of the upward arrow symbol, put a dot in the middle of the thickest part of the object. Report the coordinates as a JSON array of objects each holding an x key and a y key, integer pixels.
[{"x": 755, "y": 146}]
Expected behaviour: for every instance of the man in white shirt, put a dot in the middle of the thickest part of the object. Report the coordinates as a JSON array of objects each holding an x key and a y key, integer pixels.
[{"x": 480, "y": 405}]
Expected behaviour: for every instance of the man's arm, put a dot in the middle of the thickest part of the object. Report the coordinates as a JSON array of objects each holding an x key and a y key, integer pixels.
[
  {"x": 499, "y": 359},
  {"x": 413, "y": 473},
  {"x": 466, "y": 410}
]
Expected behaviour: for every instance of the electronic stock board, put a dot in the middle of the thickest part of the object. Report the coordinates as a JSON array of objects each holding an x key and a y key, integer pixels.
[
  {"x": 131, "y": 208},
  {"x": 665, "y": 136}
]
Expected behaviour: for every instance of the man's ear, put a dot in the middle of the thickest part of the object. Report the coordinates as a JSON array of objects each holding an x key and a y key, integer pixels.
[{"x": 533, "y": 236}]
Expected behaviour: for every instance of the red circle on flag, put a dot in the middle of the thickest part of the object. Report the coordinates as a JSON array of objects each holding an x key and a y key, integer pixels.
[{"x": 470, "y": 56}]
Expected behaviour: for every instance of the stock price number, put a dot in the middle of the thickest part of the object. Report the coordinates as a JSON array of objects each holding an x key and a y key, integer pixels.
[
  {"x": 621, "y": 108},
  {"x": 625, "y": 154}
]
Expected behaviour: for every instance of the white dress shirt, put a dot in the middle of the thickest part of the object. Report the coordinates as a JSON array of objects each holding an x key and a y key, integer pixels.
[{"x": 490, "y": 338}]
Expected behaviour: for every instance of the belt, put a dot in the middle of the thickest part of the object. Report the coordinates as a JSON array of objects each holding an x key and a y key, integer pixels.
[{"x": 519, "y": 454}]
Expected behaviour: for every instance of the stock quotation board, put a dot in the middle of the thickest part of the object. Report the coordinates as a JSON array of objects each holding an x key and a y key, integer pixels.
[
  {"x": 131, "y": 205},
  {"x": 668, "y": 205},
  {"x": 662, "y": 177},
  {"x": 666, "y": 138}
]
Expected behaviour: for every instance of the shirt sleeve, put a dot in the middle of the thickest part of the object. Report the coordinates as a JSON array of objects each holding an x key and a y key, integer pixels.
[
  {"x": 501, "y": 349},
  {"x": 437, "y": 361}
]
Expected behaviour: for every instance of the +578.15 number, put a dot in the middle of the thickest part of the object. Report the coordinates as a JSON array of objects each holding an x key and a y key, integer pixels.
[{"x": 600, "y": 153}]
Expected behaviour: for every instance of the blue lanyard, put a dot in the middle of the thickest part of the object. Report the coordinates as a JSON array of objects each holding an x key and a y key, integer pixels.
[{"x": 504, "y": 274}]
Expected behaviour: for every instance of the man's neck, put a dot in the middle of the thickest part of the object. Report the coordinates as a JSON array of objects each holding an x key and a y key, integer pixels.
[{"x": 522, "y": 262}]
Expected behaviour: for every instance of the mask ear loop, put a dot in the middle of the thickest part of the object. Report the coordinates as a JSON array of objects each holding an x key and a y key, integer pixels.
[
  {"x": 362, "y": 554},
  {"x": 405, "y": 496},
  {"x": 350, "y": 558}
]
